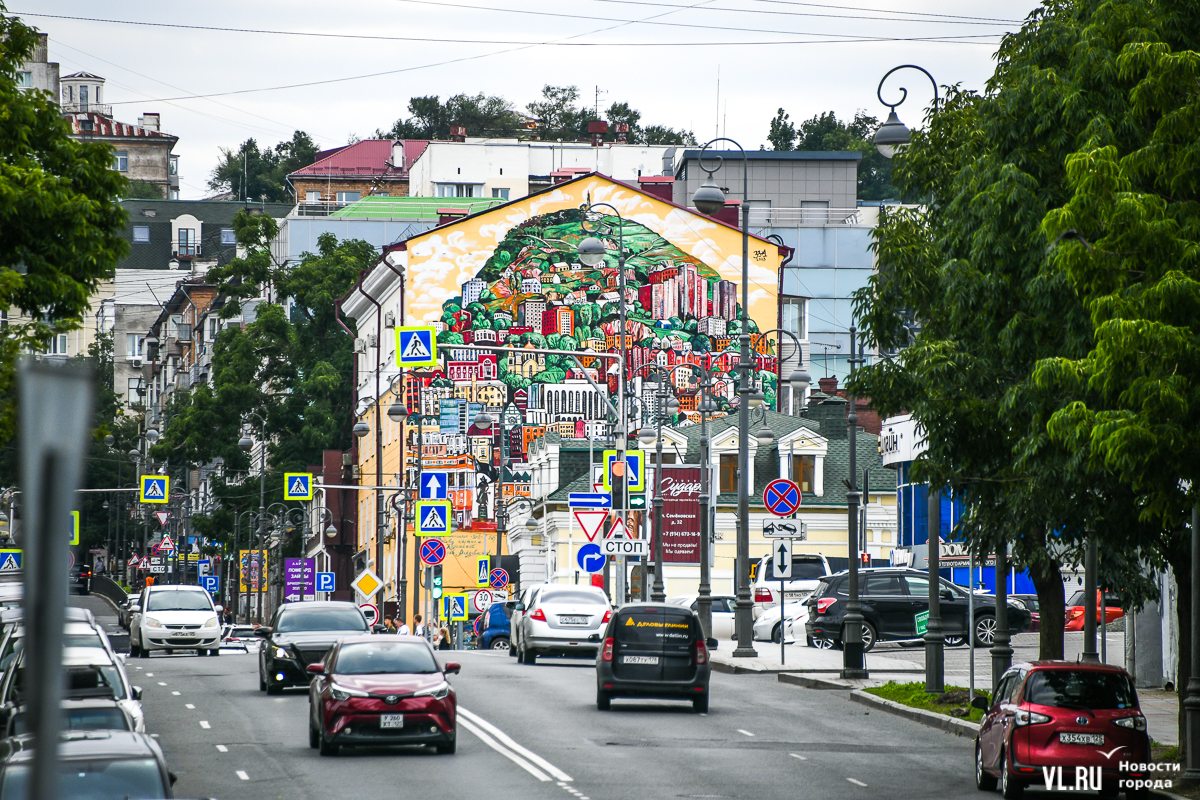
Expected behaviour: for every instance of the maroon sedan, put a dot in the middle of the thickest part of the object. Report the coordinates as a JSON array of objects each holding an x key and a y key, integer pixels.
[
  {"x": 1063, "y": 725},
  {"x": 381, "y": 690}
]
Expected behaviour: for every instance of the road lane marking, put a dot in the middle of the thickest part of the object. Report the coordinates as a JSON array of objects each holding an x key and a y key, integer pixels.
[
  {"x": 160, "y": 683},
  {"x": 511, "y": 756},
  {"x": 507, "y": 740},
  {"x": 797, "y": 755},
  {"x": 188, "y": 705},
  {"x": 222, "y": 748},
  {"x": 204, "y": 724},
  {"x": 241, "y": 773},
  {"x": 148, "y": 674},
  {"x": 747, "y": 733},
  {"x": 857, "y": 783},
  {"x": 175, "y": 693}
]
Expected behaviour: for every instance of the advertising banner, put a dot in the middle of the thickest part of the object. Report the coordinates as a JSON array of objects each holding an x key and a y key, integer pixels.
[
  {"x": 299, "y": 579},
  {"x": 680, "y": 515},
  {"x": 253, "y": 563}
]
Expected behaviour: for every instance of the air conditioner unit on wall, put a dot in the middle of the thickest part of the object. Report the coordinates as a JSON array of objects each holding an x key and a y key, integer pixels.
[
  {"x": 136, "y": 362},
  {"x": 372, "y": 340},
  {"x": 360, "y": 345},
  {"x": 389, "y": 319}
]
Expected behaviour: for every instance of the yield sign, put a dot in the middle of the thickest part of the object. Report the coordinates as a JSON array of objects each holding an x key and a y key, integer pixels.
[
  {"x": 591, "y": 522},
  {"x": 163, "y": 516},
  {"x": 617, "y": 531}
]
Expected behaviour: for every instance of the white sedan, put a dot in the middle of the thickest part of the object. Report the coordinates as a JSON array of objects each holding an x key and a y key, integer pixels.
[
  {"x": 768, "y": 628},
  {"x": 723, "y": 606}
]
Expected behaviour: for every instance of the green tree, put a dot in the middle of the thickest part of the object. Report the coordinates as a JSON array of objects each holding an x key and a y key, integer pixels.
[
  {"x": 480, "y": 114},
  {"x": 255, "y": 174},
  {"x": 660, "y": 134},
  {"x": 825, "y": 132},
  {"x": 783, "y": 132},
  {"x": 61, "y": 222},
  {"x": 558, "y": 115}
]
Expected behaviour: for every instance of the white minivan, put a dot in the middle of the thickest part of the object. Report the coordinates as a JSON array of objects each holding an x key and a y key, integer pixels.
[
  {"x": 175, "y": 618},
  {"x": 807, "y": 571}
]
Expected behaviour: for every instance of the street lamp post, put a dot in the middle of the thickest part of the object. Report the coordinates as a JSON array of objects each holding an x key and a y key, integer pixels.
[
  {"x": 245, "y": 443},
  {"x": 852, "y": 643},
  {"x": 709, "y": 199},
  {"x": 664, "y": 407}
]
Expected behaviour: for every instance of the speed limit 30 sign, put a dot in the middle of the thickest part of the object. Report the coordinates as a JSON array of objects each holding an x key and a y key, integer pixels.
[{"x": 482, "y": 600}]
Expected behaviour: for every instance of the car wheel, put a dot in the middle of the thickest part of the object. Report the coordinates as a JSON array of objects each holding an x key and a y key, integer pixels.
[
  {"x": 512, "y": 650},
  {"x": 274, "y": 687},
  {"x": 216, "y": 651},
  {"x": 314, "y": 736},
  {"x": 777, "y": 633},
  {"x": 983, "y": 781},
  {"x": 955, "y": 641},
  {"x": 868, "y": 637},
  {"x": 326, "y": 747},
  {"x": 262, "y": 682},
  {"x": 822, "y": 644},
  {"x": 143, "y": 652},
  {"x": 1009, "y": 788},
  {"x": 603, "y": 700},
  {"x": 700, "y": 703},
  {"x": 500, "y": 643},
  {"x": 985, "y": 631},
  {"x": 133, "y": 650},
  {"x": 450, "y": 747},
  {"x": 530, "y": 656}
]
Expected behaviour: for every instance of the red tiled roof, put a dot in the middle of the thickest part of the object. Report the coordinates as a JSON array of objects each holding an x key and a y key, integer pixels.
[
  {"x": 106, "y": 126},
  {"x": 368, "y": 158}
]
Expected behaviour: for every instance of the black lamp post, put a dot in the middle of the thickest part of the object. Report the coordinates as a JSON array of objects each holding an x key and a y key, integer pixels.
[
  {"x": 852, "y": 631},
  {"x": 665, "y": 406},
  {"x": 246, "y": 444},
  {"x": 709, "y": 199},
  {"x": 894, "y": 135}
]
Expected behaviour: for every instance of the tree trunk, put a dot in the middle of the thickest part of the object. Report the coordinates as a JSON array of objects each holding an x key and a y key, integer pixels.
[
  {"x": 1047, "y": 580},
  {"x": 1181, "y": 565}
]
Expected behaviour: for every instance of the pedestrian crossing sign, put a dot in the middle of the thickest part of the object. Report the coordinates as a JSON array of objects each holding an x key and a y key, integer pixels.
[
  {"x": 297, "y": 486},
  {"x": 636, "y": 469},
  {"x": 433, "y": 518},
  {"x": 416, "y": 346},
  {"x": 155, "y": 489},
  {"x": 454, "y": 608},
  {"x": 10, "y": 560},
  {"x": 484, "y": 564}
]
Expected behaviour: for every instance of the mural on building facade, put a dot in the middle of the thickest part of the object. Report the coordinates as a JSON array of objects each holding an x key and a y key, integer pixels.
[{"x": 511, "y": 277}]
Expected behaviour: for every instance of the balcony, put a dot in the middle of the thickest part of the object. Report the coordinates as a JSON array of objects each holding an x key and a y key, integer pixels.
[
  {"x": 185, "y": 250},
  {"x": 103, "y": 109},
  {"x": 861, "y": 217}
]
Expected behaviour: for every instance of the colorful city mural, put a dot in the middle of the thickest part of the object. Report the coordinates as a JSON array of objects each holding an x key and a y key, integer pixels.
[{"x": 512, "y": 277}]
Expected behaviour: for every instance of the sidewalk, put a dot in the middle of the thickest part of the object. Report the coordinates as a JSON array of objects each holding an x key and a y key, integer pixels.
[{"x": 888, "y": 661}]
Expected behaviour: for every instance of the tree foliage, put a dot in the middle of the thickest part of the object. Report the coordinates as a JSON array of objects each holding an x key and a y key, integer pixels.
[
  {"x": 826, "y": 132},
  {"x": 480, "y": 114},
  {"x": 252, "y": 173},
  {"x": 60, "y": 219}
]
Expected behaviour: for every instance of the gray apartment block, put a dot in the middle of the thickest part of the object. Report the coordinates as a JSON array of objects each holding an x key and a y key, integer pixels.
[
  {"x": 785, "y": 179},
  {"x": 39, "y": 72}
]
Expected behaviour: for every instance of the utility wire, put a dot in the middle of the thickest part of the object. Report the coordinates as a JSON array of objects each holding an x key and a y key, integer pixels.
[{"x": 941, "y": 19}]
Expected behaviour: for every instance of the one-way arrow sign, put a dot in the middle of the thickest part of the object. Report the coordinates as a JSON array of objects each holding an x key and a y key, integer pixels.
[{"x": 781, "y": 569}]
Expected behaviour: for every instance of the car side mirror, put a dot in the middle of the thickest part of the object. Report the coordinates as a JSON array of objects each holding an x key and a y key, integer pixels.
[
  {"x": 378, "y": 628},
  {"x": 172, "y": 777},
  {"x": 947, "y": 594},
  {"x": 981, "y": 702},
  {"x": 219, "y": 608},
  {"x": 519, "y": 607},
  {"x": 262, "y": 631},
  {"x": 316, "y": 669},
  {"x": 712, "y": 643},
  {"x": 452, "y": 666},
  {"x": 137, "y": 693}
]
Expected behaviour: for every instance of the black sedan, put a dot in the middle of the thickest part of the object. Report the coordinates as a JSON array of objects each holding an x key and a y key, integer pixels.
[
  {"x": 301, "y": 634},
  {"x": 895, "y": 605},
  {"x": 101, "y": 763}
]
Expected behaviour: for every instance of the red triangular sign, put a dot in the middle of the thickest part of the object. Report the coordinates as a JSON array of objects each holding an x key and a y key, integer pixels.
[
  {"x": 617, "y": 530},
  {"x": 163, "y": 516},
  {"x": 166, "y": 543},
  {"x": 591, "y": 522},
  {"x": 134, "y": 561}
]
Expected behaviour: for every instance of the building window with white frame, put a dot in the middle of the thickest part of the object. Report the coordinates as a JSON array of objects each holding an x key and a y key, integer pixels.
[
  {"x": 349, "y": 197},
  {"x": 228, "y": 236},
  {"x": 24, "y": 80},
  {"x": 500, "y": 193},
  {"x": 58, "y": 345},
  {"x": 134, "y": 345},
  {"x": 457, "y": 189},
  {"x": 141, "y": 234},
  {"x": 187, "y": 242},
  {"x": 121, "y": 161}
]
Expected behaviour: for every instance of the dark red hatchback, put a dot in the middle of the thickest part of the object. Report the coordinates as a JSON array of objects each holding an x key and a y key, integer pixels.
[
  {"x": 381, "y": 690},
  {"x": 1063, "y": 725}
]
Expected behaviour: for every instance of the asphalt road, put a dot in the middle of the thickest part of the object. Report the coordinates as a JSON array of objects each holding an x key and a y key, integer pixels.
[{"x": 534, "y": 732}]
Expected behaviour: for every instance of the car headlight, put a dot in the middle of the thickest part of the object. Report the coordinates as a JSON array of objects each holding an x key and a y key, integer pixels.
[
  {"x": 343, "y": 693},
  {"x": 439, "y": 692},
  {"x": 281, "y": 653},
  {"x": 151, "y": 622},
  {"x": 211, "y": 623}
]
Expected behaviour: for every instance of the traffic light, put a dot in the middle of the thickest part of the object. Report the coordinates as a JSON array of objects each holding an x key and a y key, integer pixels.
[
  {"x": 437, "y": 582},
  {"x": 866, "y": 559}
]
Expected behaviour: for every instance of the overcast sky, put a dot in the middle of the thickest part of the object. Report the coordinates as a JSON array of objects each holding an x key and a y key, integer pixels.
[{"x": 807, "y": 57}]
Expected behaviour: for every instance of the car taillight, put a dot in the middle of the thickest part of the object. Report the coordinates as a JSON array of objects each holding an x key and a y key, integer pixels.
[
  {"x": 701, "y": 652},
  {"x": 1074, "y": 612},
  {"x": 607, "y": 654},
  {"x": 1137, "y": 723},
  {"x": 1023, "y": 718},
  {"x": 607, "y": 616},
  {"x": 763, "y": 595},
  {"x": 824, "y": 603},
  {"x": 538, "y": 614}
]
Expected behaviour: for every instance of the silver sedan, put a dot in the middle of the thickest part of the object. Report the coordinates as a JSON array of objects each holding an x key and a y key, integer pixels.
[{"x": 560, "y": 620}]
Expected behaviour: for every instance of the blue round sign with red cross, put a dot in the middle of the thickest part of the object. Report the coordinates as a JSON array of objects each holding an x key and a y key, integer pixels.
[
  {"x": 433, "y": 552},
  {"x": 782, "y": 497},
  {"x": 498, "y": 578}
]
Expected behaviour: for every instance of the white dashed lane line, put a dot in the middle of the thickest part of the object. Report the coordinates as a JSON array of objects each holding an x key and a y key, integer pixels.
[
  {"x": 204, "y": 724},
  {"x": 222, "y": 748},
  {"x": 188, "y": 706},
  {"x": 857, "y": 783},
  {"x": 797, "y": 755},
  {"x": 176, "y": 694},
  {"x": 241, "y": 773},
  {"x": 148, "y": 674},
  {"x": 746, "y": 733},
  {"x": 160, "y": 683}
]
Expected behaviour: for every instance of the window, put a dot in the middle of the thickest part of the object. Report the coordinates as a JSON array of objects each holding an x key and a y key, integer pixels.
[
  {"x": 173, "y": 166},
  {"x": 83, "y": 98},
  {"x": 882, "y": 585},
  {"x": 917, "y": 587},
  {"x": 348, "y": 197},
  {"x": 794, "y": 318},
  {"x": 458, "y": 190},
  {"x": 729, "y": 465},
  {"x": 228, "y": 236},
  {"x": 58, "y": 345},
  {"x": 121, "y": 161},
  {"x": 804, "y": 470},
  {"x": 135, "y": 391},
  {"x": 134, "y": 344},
  {"x": 500, "y": 193},
  {"x": 141, "y": 234},
  {"x": 312, "y": 197},
  {"x": 24, "y": 80},
  {"x": 212, "y": 329},
  {"x": 187, "y": 242}
]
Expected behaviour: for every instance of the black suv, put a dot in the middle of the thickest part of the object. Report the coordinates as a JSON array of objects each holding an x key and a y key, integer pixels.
[
  {"x": 301, "y": 634},
  {"x": 891, "y": 600}
]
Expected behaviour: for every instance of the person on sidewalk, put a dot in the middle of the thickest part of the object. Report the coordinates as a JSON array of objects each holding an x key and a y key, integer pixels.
[
  {"x": 418, "y": 626},
  {"x": 402, "y": 628}
]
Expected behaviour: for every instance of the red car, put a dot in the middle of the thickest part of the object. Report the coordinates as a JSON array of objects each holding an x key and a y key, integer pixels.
[
  {"x": 1061, "y": 724},
  {"x": 1074, "y": 610},
  {"x": 374, "y": 690}
]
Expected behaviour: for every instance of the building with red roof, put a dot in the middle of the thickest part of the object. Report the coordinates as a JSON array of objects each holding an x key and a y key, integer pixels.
[{"x": 372, "y": 167}]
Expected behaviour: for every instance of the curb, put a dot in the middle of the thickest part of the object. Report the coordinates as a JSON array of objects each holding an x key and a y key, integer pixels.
[
  {"x": 797, "y": 679},
  {"x": 733, "y": 669},
  {"x": 958, "y": 727}
]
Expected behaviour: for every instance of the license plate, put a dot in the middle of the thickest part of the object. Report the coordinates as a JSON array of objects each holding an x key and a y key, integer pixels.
[
  {"x": 639, "y": 659},
  {"x": 391, "y": 720},
  {"x": 1080, "y": 738},
  {"x": 572, "y": 620}
]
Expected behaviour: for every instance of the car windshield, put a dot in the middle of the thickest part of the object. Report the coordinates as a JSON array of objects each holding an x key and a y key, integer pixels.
[
  {"x": 83, "y": 719},
  {"x": 589, "y": 598},
  {"x": 321, "y": 619},
  {"x": 129, "y": 778},
  {"x": 179, "y": 600},
  {"x": 1068, "y": 688},
  {"x": 801, "y": 570},
  {"x": 653, "y": 626},
  {"x": 385, "y": 658}
]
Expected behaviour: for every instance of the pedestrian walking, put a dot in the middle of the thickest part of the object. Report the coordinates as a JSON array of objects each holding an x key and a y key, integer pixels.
[
  {"x": 402, "y": 628},
  {"x": 444, "y": 644},
  {"x": 389, "y": 625},
  {"x": 418, "y": 626}
]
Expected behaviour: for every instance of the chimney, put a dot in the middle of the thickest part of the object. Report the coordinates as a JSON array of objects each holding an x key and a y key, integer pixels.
[
  {"x": 149, "y": 121},
  {"x": 561, "y": 176},
  {"x": 623, "y": 132},
  {"x": 458, "y": 133},
  {"x": 828, "y": 385},
  {"x": 450, "y": 214},
  {"x": 668, "y": 161},
  {"x": 660, "y": 186},
  {"x": 596, "y": 129}
]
